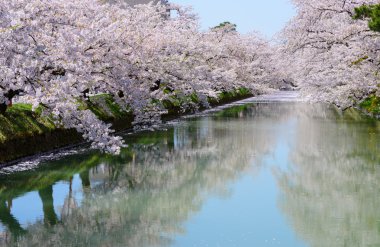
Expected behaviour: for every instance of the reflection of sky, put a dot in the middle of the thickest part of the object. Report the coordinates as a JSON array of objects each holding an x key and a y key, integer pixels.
[
  {"x": 223, "y": 222},
  {"x": 61, "y": 191},
  {"x": 248, "y": 216},
  {"x": 28, "y": 208}
]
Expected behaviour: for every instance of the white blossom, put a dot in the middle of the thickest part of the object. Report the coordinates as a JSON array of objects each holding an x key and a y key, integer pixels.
[{"x": 56, "y": 50}]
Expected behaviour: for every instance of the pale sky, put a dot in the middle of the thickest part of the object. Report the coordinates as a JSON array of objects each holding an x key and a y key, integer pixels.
[{"x": 266, "y": 16}]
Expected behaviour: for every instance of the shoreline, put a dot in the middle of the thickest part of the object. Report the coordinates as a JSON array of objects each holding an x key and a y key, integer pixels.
[
  {"x": 68, "y": 139},
  {"x": 53, "y": 140}
]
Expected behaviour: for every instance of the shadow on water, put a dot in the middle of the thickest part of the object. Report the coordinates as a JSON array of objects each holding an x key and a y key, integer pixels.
[{"x": 144, "y": 196}]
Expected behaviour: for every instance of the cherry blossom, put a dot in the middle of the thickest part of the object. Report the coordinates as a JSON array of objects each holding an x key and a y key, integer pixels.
[
  {"x": 55, "y": 54},
  {"x": 331, "y": 56}
]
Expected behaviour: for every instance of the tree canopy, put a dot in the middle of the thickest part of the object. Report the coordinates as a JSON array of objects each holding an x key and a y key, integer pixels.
[
  {"x": 54, "y": 56},
  {"x": 226, "y": 25}
]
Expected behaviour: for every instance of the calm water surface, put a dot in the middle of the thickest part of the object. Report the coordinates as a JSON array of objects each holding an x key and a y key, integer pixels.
[{"x": 259, "y": 174}]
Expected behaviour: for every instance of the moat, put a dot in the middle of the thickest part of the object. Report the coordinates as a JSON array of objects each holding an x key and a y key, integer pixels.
[{"x": 266, "y": 172}]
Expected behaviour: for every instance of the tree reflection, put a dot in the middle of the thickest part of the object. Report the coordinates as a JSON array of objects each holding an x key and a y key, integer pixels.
[
  {"x": 331, "y": 192},
  {"x": 46, "y": 195},
  {"x": 143, "y": 196},
  {"x": 9, "y": 220}
]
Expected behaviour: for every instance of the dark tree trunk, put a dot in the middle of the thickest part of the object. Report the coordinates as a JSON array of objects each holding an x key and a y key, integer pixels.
[
  {"x": 3, "y": 108},
  {"x": 9, "y": 95}
]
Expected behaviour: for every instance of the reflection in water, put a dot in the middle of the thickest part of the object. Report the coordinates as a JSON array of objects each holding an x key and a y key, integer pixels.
[
  {"x": 46, "y": 195},
  {"x": 330, "y": 193},
  {"x": 145, "y": 196}
]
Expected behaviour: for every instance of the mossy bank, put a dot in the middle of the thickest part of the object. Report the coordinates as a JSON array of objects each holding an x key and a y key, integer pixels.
[
  {"x": 24, "y": 132},
  {"x": 371, "y": 106}
]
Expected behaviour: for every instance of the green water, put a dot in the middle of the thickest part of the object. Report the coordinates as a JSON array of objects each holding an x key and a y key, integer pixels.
[{"x": 260, "y": 174}]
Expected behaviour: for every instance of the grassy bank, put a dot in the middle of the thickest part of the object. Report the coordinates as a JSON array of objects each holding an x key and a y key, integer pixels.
[
  {"x": 371, "y": 106},
  {"x": 24, "y": 132}
]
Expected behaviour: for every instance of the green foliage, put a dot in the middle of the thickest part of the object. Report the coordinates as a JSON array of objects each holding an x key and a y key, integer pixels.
[
  {"x": 372, "y": 12},
  {"x": 371, "y": 105},
  {"x": 21, "y": 107},
  {"x": 244, "y": 91},
  {"x": 175, "y": 104},
  {"x": 105, "y": 107},
  {"x": 226, "y": 97},
  {"x": 234, "y": 112},
  {"x": 167, "y": 91},
  {"x": 194, "y": 98},
  {"x": 226, "y": 24},
  {"x": 360, "y": 60},
  {"x": 20, "y": 121}
]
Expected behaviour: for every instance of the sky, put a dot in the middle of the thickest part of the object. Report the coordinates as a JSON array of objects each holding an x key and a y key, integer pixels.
[{"x": 266, "y": 16}]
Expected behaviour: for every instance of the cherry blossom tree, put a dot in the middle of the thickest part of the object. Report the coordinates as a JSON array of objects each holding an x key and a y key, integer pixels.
[
  {"x": 55, "y": 54},
  {"x": 333, "y": 57}
]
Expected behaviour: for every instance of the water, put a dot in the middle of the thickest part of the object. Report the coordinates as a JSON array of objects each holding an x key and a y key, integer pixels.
[{"x": 269, "y": 173}]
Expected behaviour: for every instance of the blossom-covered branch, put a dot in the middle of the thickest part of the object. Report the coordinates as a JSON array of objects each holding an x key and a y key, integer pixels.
[
  {"x": 57, "y": 53},
  {"x": 333, "y": 57}
]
